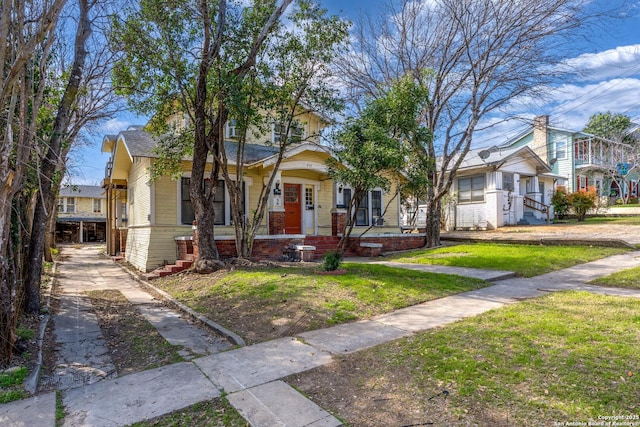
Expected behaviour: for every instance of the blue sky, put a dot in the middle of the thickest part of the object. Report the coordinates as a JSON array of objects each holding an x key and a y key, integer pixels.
[{"x": 610, "y": 81}]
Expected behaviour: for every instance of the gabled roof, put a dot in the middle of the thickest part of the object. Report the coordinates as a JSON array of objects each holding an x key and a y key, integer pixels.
[
  {"x": 574, "y": 133},
  {"x": 252, "y": 152},
  {"x": 138, "y": 142},
  {"x": 141, "y": 144},
  {"x": 497, "y": 156},
  {"x": 294, "y": 150},
  {"x": 92, "y": 191}
]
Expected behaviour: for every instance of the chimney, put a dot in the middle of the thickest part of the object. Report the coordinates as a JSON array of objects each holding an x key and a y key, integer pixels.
[{"x": 540, "y": 144}]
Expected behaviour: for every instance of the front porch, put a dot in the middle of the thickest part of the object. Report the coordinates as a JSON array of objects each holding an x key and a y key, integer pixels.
[{"x": 275, "y": 248}]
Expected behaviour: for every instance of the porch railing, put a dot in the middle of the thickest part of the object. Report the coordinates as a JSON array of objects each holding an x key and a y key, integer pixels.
[{"x": 537, "y": 206}]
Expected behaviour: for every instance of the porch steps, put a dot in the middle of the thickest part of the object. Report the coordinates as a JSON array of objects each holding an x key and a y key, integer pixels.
[
  {"x": 184, "y": 263},
  {"x": 530, "y": 219},
  {"x": 167, "y": 270}
]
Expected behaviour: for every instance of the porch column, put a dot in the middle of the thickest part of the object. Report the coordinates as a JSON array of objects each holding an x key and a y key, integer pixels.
[
  {"x": 276, "y": 215},
  {"x": 517, "y": 202},
  {"x": 81, "y": 237},
  {"x": 107, "y": 227},
  {"x": 316, "y": 191},
  {"x": 535, "y": 189},
  {"x": 338, "y": 220}
]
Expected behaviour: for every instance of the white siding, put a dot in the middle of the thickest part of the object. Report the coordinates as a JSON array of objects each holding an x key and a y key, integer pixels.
[{"x": 471, "y": 215}]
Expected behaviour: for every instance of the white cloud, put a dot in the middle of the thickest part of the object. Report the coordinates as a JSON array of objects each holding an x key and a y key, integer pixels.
[
  {"x": 623, "y": 61},
  {"x": 114, "y": 126},
  {"x": 569, "y": 106}
]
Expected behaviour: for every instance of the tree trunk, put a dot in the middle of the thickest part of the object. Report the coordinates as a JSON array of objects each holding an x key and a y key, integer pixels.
[
  {"x": 352, "y": 211},
  {"x": 8, "y": 286},
  {"x": 432, "y": 231},
  {"x": 48, "y": 186},
  {"x": 50, "y": 237}
]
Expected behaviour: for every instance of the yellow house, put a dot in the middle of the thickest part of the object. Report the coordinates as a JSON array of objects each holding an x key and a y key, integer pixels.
[
  {"x": 81, "y": 214},
  {"x": 145, "y": 218}
]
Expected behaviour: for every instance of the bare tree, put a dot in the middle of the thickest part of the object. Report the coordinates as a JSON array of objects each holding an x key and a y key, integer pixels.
[
  {"x": 86, "y": 99},
  {"x": 473, "y": 56},
  {"x": 26, "y": 35}
]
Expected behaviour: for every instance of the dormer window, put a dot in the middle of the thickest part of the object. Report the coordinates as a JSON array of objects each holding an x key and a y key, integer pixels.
[
  {"x": 232, "y": 129},
  {"x": 296, "y": 133}
]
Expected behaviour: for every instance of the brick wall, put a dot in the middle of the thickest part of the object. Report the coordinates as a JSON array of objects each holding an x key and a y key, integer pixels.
[
  {"x": 184, "y": 248},
  {"x": 123, "y": 232},
  {"x": 276, "y": 222},
  {"x": 271, "y": 248},
  {"x": 338, "y": 222}
]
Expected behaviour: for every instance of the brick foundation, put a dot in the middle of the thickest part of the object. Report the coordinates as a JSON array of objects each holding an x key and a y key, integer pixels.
[{"x": 270, "y": 248}]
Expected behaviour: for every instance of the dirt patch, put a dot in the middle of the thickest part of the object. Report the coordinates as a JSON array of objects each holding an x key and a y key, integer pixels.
[
  {"x": 135, "y": 345},
  {"x": 370, "y": 390}
]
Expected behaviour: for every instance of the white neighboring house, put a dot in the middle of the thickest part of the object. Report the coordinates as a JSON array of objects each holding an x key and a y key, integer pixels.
[{"x": 495, "y": 187}]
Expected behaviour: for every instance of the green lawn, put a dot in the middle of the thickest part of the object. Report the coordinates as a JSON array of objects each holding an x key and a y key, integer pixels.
[
  {"x": 524, "y": 260},
  {"x": 266, "y": 303},
  {"x": 565, "y": 357},
  {"x": 569, "y": 355},
  {"x": 623, "y": 279}
]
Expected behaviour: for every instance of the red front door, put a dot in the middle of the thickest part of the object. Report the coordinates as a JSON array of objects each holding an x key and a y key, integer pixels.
[{"x": 292, "y": 219}]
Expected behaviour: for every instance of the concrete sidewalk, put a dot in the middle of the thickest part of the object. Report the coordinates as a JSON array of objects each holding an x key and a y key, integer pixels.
[{"x": 252, "y": 375}]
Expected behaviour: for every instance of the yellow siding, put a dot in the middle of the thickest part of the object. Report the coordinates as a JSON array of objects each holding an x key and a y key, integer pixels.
[
  {"x": 312, "y": 125},
  {"x": 310, "y": 175},
  {"x": 325, "y": 205},
  {"x": 162, "y": 245},
  {"x": 166, "y": 201},
  {"x": 84, "y": 205},
  {"x": 310, "y": 156},
  {"x": 84, "y": 208},
  {"x": 137, "y": 246},
  {"x": 140, "y": 204},
  {"x": 121, "y": 162},
  {"x": 151, "y": 247}
]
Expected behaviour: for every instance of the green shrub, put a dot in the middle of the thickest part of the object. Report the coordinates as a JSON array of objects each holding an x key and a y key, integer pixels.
[
  {"x": 560, "y": 202},
  {"x": 331, "y": 260},
  {"x": 583, "y": 200}
]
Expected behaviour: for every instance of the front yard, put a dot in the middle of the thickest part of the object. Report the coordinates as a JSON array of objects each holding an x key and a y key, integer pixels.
[
  {"x": 265, "y": 303},
  {"x": 261, "y": 304},
  {"x": 567, "y": 357}
]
